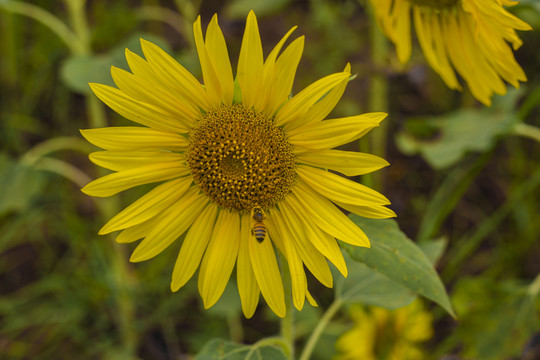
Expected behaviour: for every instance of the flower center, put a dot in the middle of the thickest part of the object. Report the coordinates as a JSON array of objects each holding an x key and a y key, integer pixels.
[
  {"x": 240, "y": 159},
  {"x": 436, "y": 4}
]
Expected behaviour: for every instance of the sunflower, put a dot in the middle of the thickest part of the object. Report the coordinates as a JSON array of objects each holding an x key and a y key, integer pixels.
[
  {"x": 230, "y": 155},
  {"x": 379, "y": 333},
  {"x": 468, "y": 37}
]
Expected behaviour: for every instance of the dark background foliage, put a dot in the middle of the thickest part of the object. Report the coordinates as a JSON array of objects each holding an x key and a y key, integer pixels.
[{"x": 459, "y": 172}]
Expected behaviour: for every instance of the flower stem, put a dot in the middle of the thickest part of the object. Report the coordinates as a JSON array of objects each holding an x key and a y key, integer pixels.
[
  {"x": 378, "y": 100},
  {"x": 317, "y": 332},
  {"x": 96, "y": 113},
  {"x": 287, "y": 322},
  {"x": 77, "y": 17},
  {"x": 188, "y": 11},
  {"x": 47, "y": 19},
  {"x": 123, "y": 280}
]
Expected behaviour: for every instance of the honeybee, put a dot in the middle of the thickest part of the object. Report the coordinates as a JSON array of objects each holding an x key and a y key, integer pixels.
[{"x": 259, "y": 229}]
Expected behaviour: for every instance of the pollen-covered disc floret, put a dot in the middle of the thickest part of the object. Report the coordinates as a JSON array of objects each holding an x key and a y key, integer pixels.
[{"x": 240, "y": 159}]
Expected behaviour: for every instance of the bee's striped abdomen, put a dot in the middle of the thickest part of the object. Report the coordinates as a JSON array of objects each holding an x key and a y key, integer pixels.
[{"x": 259, "y": 231}]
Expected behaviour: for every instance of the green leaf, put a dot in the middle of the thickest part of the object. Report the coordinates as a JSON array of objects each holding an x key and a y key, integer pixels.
[
  {"x": 79, "y": 70},
  {"x": 218, "y": 349},
  {"x": 443, "y": 141},
  {"x": 365, "y": 286},
  {"x": 398, "y": 258},
  {"x": 434, "y": 249}
]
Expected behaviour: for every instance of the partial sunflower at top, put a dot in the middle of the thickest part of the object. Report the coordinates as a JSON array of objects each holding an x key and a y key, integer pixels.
[
  {"x": 468, "y": 37},
  {"x": 226, "y": 150}
]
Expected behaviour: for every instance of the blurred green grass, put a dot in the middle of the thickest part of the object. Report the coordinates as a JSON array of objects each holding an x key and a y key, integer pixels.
[{"x": 64, "y": 290}]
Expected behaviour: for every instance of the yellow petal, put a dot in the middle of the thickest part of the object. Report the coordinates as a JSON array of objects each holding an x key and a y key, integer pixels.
[
  {"x": 148, "y": 206},
  {"x": 311, "y": 300},
  {"x": 296, "y": 268},
  {"x": 346, "y": 162},
  {"x": 174, "y": 76},
  {"x": 139, "y": 231},
  {"x": 220, "y": 257},
  {"x": 141, "y": 69},
  {"x": 284, "y": 73},
  {"x": 403, "y": 31},
  {"x": 218, "y": 54},
  {"x": 446, "y": 71},
  {"x": 171, "y": 226},
  {"x": 126, "y": 160},
  {"x": 211, "y": 80},
  {"x": 139, "y": 112},
  {"x": 250, "y": 62},
  {"x": 429, "y": 35},
  {"x": 322, "y": 241},
  {"x": 139, "y": 89},
  {"x": 329, "y": 218},
  {"x": 247, "y": 283},
  {"x": 372, "y": 212},
  {"x": 497, "y": 13},
  {"x": 266, "y": 270},
  {"x": 268, "y": 80},
  {"x": 114, "y": 183},
  {"x": 324, "y": 106},
  {"x": 338, "y": 188},
  {"x": 293, "y": 111},
  {"x": 482, "y": 80},
  {"x": 311, "y": 257},
  {"x": 134, "y": 138},
  {"x": 193, "y": 247},
  {"x": 331, "y": 133}
]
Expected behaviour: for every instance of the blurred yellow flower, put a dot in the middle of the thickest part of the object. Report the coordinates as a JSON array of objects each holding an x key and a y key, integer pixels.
[
  {"x": 242, "y": 166},
  {"x": 468, "y": 37},
  {"x": 381, "y": 334}
]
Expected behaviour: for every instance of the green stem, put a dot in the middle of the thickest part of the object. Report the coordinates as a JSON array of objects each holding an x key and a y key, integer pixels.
[
  {"x": 167, "y": 16},
  {"x": 9, "y": 49},
  {"x": 378, "y": 95},
  {"x": 526, "y": 130},
  {"x": 96, "y": 113},
  {"x": 77, "y": 16},
  {"x": 188, "y": 10},
  {"x": 529, "y": 104},
  {"x": 317, "y": 332},
  {"x": 287, "y": 323},
  {"x": 47, "y": 19},
  {"x": 64, "y": 169},
  {"x": 236, "y": 330},
  {"x": 270, "y": 341},
  {"x": 55, "y": 144}
]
